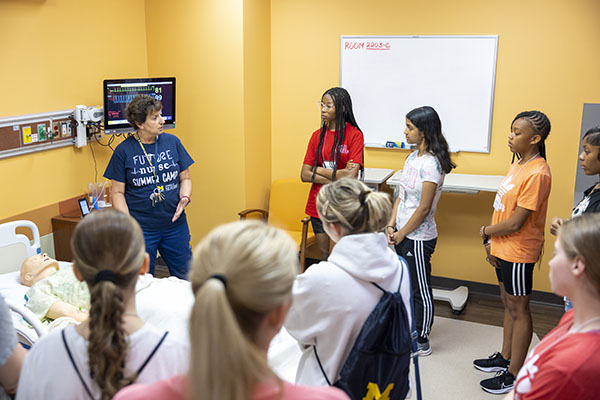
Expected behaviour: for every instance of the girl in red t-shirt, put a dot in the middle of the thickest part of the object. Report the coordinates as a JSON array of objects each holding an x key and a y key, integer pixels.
[
  {"x": 514, "y": 241},
  {"x": 334, "y": 151},
  {"x": 565, "y": 364}
]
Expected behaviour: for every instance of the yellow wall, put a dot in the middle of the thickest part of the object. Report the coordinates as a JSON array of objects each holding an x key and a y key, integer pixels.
[
  {"x": 257, "y": 101},
  {"x": 218, "y": 50},
  {"x": 250, "y": 74},
  {"x": 547, "y": 60},
  {"x": 55, "y": 54},
  {"x": 59, "y": 52}
]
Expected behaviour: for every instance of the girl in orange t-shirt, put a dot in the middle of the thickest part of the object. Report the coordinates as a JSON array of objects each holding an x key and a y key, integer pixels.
[{"x": 513, "y": 242}]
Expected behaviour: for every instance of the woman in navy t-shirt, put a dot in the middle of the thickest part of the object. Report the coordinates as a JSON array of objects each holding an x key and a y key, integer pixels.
[{"x": 151, "y": 181}]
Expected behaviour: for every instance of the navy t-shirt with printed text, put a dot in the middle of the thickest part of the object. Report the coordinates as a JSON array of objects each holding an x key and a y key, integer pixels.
[{"x": 129, "y": 165}]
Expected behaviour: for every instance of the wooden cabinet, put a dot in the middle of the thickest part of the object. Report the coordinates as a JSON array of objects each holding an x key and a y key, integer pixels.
[{"x": 63, "y": 228}]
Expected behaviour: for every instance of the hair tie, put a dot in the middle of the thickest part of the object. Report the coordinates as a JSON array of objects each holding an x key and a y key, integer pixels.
[
  {"x": 362, "y": 197},
  {"x": 105, "y": 275},
  {"x": 219, "y": 277}
]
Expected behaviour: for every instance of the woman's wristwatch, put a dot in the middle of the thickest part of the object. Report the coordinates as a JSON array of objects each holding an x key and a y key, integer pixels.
[{"x": 186, "y": 197}]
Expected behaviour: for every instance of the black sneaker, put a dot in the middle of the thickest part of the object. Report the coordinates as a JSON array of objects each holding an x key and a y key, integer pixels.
[
  {"x": 503, "y": 382},
  {"x": 494, "y": 363}
]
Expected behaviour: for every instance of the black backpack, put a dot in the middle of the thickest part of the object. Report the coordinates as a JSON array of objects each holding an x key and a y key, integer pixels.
[{"x": 378, "y": 365}]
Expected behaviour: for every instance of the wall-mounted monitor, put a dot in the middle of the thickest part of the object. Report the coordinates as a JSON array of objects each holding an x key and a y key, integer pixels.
[{"x": 119, "y": 92}]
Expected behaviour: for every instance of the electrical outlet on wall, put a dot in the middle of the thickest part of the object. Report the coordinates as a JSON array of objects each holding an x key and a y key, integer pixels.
[{"x": 64, "y": 132}]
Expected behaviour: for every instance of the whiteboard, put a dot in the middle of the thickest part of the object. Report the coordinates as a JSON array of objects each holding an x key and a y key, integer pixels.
[{"x": 387, "y": 76}]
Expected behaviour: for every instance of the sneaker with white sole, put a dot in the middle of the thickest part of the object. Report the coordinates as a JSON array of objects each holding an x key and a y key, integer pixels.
[
  {"x": 494, "y": 363},
  {"x": 423, "y": 349},
  {"x": 502, "y": 383}
]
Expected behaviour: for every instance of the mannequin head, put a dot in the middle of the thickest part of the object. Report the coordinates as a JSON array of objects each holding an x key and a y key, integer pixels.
[{"x": 36, "y": 268}]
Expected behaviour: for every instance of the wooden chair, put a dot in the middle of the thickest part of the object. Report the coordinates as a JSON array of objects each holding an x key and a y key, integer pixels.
[{"x": 286, "y": 211}]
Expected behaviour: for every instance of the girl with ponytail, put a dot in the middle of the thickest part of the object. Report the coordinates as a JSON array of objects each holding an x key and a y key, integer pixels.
[
  {"x": 513, "y": 242},
  {"x": 334, "y": 151},
  {"x": 242, "y": 276},
  {"x": 332, "y": 300},
  {"x": 113, "y": 347}
]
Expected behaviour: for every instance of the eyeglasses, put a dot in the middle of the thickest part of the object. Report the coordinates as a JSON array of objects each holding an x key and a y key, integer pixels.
[{"x": 327, "y": 106}]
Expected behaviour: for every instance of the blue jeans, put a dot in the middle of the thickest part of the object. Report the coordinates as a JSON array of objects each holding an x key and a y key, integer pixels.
[{"x": 175, "y": 248}]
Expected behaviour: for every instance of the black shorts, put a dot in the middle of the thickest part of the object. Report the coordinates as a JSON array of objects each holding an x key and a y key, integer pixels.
[
  {"x": 317, "y": 225},
  {"x": 516, "y": 277}
]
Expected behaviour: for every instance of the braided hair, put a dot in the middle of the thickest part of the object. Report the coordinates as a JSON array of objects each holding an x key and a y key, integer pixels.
[
  {"x": 343, "y": 113},
  {"x": 541, "y": 126},
  {"x": 108, "y": 241}
]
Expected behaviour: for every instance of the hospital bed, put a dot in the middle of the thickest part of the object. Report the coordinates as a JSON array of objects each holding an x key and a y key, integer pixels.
[
  {"x": 14, "y": 249},
  {"x": 163, "y": 302}
]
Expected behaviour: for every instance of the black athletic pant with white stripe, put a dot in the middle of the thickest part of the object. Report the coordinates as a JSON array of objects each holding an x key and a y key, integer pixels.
[{"x": 417, "y": 254}]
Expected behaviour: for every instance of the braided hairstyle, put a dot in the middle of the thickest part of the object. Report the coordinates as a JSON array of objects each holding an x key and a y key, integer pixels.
[
  {"x": 541, "y": 126},
  {"x": 592, "y": 136},
  {"x": 427, "y": 120},
  {"x": 108, "y": 240},
  {"x": 343, "y": 113}
]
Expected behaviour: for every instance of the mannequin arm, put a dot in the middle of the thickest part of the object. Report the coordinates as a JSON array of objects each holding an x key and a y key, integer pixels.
[{"x": 62, "y": 309}]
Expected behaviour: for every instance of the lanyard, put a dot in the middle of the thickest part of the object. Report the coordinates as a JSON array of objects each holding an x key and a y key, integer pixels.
[{"x": 157, "y": 194}]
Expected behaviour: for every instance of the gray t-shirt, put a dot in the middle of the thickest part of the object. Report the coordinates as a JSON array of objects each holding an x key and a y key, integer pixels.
[{"x": 8, "y": 336}]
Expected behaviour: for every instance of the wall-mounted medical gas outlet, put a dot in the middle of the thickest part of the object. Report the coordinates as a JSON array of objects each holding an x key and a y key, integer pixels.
[
  {"x": 30, "y": 133},
  {"x": 41, "y": 133},
  {"x": 55, "y": 131}
]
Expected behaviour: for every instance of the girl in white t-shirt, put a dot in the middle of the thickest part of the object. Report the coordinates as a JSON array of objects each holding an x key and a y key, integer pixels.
[
  {"x": 412, "y": 226},
  {"x": 113, "y": 347}
]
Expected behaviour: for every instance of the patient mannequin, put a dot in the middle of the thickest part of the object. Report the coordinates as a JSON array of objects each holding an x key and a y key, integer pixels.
[{"x": 54, "y": 292}]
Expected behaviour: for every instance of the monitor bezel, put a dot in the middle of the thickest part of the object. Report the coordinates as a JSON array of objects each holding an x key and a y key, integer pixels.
[{"x": 126, "y": 127}]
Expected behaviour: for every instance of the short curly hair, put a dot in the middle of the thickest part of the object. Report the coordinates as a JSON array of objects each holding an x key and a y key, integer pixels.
[{"x": 140, "y": 107}]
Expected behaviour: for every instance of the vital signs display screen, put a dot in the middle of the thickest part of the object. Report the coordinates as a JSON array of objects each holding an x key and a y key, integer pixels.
[{"x": 119, "y": 92}]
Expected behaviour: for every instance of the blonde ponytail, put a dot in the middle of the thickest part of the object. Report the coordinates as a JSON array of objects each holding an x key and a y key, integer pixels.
[
  {"x": 241, "y": 271},
  {"x": 354, "y": 205}
]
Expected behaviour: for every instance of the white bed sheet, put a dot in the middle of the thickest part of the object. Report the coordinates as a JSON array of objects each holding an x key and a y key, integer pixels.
[{"x": 164, "y": 303}]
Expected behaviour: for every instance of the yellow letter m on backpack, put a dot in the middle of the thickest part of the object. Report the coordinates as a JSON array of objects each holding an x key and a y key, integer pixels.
[{"x": 373, "y": 392}]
